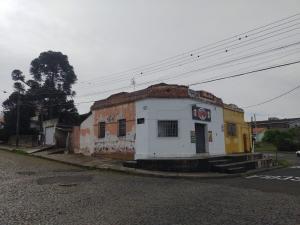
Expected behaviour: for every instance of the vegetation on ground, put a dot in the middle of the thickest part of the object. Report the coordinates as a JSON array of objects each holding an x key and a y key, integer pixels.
[
  {"x": 285, "y": 140},
  {"x": 264, "y": 147}
]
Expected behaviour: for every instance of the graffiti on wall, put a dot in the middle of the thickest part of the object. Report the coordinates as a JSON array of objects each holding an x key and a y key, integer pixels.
[{"x": 111, "y": 143}]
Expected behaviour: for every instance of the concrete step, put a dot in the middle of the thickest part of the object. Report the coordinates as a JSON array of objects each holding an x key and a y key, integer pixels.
[
  {"x": 218, "y": 161},
  {"x": 240, "y": 169},
  {"x": 130, "y": 164},
  {"x": 223, "y": 168}
]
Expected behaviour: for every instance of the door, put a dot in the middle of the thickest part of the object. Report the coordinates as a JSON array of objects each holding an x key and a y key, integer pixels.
[
  {"x": 49, "y": 136},
  {"x": 200, "y": 137}
]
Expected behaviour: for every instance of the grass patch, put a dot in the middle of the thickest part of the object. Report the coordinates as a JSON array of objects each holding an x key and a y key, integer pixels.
[
  {"x": 285, "y": 163},
  {"x": 264, "y": 147},
  {"x": 19, "y": 151}
]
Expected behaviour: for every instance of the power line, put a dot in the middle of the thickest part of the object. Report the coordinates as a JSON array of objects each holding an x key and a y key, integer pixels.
[
  {"x": 210, "y": 66},
  {"x": 163, "y": 77},
  {"x": 203, "y": 47},
  {"x": 218, "y": 51},
  {"x": 197, "y": 58},
  {"x": 232, "y": 76},
  {"x": 246, "y": 73},
  {"x": 273, "y": 99}
]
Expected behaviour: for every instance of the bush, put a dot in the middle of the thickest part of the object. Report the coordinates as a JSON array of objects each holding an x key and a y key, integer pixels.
[
  {"x": 283, "y": 140},
  {"x": 3, "y": 136}
]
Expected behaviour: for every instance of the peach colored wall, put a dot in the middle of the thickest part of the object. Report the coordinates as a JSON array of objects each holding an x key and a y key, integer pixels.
[{"x": 120, "y": 147}]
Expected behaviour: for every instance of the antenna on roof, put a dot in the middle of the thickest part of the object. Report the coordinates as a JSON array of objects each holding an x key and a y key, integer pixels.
[{"x": 133, "y": 83}]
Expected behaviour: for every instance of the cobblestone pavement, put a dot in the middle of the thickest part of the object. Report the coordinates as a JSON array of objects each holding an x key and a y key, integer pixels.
[{"x": 36, "y": 191}]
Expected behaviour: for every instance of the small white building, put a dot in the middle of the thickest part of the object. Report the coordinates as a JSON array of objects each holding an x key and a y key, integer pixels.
[{"x": 161, "y": 121}]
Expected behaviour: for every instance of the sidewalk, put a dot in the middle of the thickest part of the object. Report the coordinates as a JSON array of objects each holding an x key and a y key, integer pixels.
[{"x": 115, "y": 165}]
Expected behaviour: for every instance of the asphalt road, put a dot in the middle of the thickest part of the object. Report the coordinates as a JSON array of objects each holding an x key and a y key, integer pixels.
[{"x": 35, "y": 191}]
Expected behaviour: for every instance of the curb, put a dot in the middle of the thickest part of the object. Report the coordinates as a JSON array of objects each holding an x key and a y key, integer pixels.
[{"x": 148, "y": 173}]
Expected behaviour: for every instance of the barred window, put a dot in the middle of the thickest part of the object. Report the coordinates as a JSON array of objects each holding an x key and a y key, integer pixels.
[
  {"x": 231, "y": 129},
  {"x": 167, "y": 128},
  {"x": 122, "y": 128},
  {"x": 101, "y": 130},
  {"x": 140, "y": 121}
]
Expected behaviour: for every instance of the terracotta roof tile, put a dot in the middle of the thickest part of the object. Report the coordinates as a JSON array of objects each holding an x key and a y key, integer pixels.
[{"x": 161, "y": 90}]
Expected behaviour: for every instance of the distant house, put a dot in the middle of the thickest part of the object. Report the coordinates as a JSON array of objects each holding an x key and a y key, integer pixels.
[
  {"x": 276, "y": 123},
  {"x": 260, "y": 132},
  {"x": 57, "y": 133}
]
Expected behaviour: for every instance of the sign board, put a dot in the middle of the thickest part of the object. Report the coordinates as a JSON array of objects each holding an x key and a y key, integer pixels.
[
  {"x": 193, "y": 136},
  {"x": 200, "y": 113},
  {"x": 210, "y": 136}
]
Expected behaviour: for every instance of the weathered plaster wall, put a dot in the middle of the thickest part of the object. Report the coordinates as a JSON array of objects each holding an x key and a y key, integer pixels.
[
  {"x": 112, "y": 145},
  {"x": 87, "y": 140},
  {"x": 235, "y": 144}
]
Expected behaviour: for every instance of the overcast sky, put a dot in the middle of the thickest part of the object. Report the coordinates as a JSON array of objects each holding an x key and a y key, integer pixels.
[{"x": 106, "y": 37}]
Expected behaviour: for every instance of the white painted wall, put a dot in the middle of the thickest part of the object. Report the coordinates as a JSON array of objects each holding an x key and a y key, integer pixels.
[
  {"x": 87, "y": 142},
  {"x": 149, "y": 145},
  {"x": 49, "y": 127},
  {"x": 49, "y": 136}
]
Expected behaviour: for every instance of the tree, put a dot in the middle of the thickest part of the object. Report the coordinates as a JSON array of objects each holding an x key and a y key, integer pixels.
[
  {"x": 10, "y": 107},
  {"x": 49, "y": 91},
  {"x": 51, "y": 86}
]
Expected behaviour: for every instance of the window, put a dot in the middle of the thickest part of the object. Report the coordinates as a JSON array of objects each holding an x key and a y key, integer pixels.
[
  {"x": 167, "y": 128},
  {"x": 140, "y": 121},
  {"x": 101, "y": 130},
  {"x": 122, "y": 128},
  {"x": 231, "y": 129}
]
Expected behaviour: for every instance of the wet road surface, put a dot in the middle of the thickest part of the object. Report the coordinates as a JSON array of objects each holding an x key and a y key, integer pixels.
[{"x": 36, "y": 191}]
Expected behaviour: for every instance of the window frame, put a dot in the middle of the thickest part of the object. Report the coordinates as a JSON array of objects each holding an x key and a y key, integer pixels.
[
  {"x": 168, "y": 131},
  {"x": 232, "y": 129},
  {"x": 122, "y": 130},
  {"x": 101, "y": 134}
]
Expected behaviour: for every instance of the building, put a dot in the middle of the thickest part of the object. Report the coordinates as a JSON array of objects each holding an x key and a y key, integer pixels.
[
  {"x": 56, "y": 133},
  {"x": 276, "y": 123},
  {"x": 237, "y": 132},
  {"x": 160, "y": 121},
  {"x": 1, "y": 121},
  {"x": 259, "y": 133}
]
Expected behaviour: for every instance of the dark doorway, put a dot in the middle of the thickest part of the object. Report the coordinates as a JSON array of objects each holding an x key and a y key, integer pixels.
[{"x": 200, "y": 137}]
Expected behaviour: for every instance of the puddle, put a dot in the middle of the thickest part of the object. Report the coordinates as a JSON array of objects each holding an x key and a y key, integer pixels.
[{"x": 66, "y": 180}]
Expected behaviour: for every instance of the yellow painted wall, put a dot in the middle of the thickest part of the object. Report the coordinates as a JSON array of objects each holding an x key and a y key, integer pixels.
[{"x": 235, "y": 144}]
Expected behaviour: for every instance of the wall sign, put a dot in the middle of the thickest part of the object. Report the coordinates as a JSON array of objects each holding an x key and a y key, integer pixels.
[
  {"x": 200, "y": 113},
  {"x": 210, "y": 136},
  {"x": 193, "y": 136}
]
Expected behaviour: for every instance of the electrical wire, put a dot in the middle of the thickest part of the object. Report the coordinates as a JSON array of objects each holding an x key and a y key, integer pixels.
[
  {"x": 273, "y": 99},
  {"x": 210, "y": 66},
  {"x": 245, "y": 73},
  {"x": 203, "y": 47}
]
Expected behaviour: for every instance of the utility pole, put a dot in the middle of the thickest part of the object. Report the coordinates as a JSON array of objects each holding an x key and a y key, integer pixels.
[
  {"x": 252, "y": 143},
  {"x": 18, "y": 121}
]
